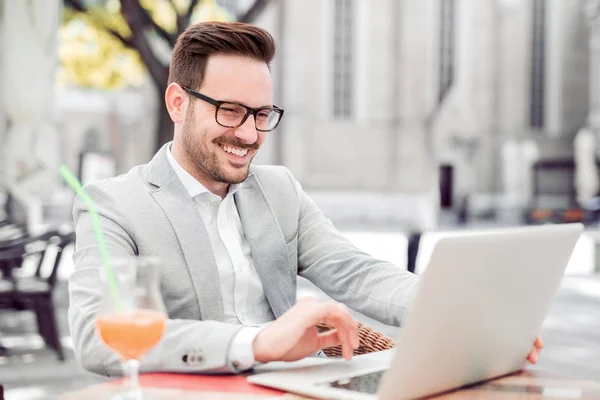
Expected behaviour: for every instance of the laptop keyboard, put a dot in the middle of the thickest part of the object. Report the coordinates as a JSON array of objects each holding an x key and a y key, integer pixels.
[{"x": 367, "y": 383}]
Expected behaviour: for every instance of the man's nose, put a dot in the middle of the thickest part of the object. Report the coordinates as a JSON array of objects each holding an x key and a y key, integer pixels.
[{"x": 247, "y": 131}]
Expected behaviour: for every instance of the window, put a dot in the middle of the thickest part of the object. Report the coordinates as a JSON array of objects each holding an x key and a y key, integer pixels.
[
  {"x": 447, "y": 37},
  {"x": 538, "y": 42},
  {"x": 343, "y": 59},
  {"x": 595, "y": 66}
]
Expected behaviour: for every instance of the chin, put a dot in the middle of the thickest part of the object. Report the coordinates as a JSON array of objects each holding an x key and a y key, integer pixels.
[{"x": 237, "y": 175}]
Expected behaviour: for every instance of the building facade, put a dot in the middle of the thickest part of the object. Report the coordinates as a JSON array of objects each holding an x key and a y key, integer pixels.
[
  {"x": 386, "y": 98},
  {"x": 593, "y": 14}
]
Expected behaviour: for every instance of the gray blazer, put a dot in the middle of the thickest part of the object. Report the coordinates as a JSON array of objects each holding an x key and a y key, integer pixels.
[{"x": 148, "y": 212}]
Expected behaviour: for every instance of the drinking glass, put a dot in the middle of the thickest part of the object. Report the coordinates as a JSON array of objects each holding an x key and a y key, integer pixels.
[{"x": 131, "y": 319}]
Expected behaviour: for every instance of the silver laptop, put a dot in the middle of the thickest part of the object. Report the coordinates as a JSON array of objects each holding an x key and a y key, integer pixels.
[{"x": 480, "y": 305}]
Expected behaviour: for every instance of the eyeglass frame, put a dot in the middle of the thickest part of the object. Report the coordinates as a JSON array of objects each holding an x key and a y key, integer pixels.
[{"x": 250, "y": 111}]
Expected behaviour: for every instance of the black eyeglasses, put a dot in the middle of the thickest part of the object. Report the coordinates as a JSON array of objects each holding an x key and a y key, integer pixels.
[{"x": 233, "y": 115}]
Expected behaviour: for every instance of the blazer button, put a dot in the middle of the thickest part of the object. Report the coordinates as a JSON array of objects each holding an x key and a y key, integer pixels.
[{"x": 193, "y": 358}]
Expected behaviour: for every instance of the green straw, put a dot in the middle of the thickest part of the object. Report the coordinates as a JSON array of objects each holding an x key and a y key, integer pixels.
[{"x": 72, "y": 181}]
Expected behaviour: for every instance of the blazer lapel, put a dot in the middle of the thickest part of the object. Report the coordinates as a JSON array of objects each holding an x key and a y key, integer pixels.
[
  {"x": 183, "y": 215},
  {"x": 267, "y": 245}
]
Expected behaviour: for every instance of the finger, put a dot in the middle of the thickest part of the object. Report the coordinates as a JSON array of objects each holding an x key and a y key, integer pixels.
[
  {"x": 351, "y": 325},
  {"x": 351, "y": 330},
  {"x": 532, "y": 357},
  {"x": 539, "y": 342},
  {"x": 338, "y": 316},
  {"x": 343, "y": 336},
  {"x": 328, "y": 339}
]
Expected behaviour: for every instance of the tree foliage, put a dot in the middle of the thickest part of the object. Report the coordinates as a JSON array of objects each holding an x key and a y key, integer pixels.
[
  {"x": 94, "y": 51},
  {"x": 92, "y": 58}
]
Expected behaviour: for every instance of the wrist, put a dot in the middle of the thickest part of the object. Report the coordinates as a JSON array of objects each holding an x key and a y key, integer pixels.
[{"x": 261, "y": 349}]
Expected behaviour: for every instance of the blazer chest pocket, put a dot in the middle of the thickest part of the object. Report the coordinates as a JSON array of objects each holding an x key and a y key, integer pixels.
[{"x": 292, "y": 251}]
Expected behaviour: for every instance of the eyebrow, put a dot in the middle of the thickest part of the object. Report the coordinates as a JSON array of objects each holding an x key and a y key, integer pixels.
[{"x": 247, "y": 106}]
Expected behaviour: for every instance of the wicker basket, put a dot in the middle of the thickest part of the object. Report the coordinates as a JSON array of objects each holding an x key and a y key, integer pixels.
[{"x": 370, "y": 341}]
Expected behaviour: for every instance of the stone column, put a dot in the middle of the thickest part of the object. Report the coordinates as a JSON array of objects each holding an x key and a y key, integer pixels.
[
  {"x": 3, "y": 120},
  {"x": 31, "y": 144},
  {"x": 593, "y": 14},
  {"x": 586, "y": 141}
]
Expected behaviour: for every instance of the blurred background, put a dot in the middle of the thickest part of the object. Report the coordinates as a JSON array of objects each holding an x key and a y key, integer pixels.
[{"x": 405, "y": 121}]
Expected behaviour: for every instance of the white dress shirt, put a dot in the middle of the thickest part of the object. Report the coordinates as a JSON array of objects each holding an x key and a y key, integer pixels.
[{"x": 244, "y": 300}]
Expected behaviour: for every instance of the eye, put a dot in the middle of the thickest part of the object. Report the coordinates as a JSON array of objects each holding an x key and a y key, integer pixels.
[
  {"x": 228, "y": 109},
  {"x": 264, "y": 114}
]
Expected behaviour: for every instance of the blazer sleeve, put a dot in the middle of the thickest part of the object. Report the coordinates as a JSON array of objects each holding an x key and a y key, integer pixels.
[
  {"x": 376, "y": 288},
  {"x": 186, "y": 346}
]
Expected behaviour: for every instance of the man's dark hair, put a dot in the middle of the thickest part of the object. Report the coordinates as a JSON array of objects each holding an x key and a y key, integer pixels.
[{"x": 200, "y": 41}]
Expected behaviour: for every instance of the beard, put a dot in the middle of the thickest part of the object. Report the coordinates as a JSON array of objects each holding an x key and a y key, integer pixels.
[{"x": 207, "y": 162}]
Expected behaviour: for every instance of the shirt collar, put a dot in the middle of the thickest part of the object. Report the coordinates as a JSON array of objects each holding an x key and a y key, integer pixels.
[{"x": 191, "y": 185}]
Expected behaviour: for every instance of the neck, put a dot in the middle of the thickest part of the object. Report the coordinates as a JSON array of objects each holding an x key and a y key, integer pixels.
[{"x": 218, "y": 188}]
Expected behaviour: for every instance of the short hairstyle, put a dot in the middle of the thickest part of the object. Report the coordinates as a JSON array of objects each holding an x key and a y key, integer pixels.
[{"x": 200, "y": 41}]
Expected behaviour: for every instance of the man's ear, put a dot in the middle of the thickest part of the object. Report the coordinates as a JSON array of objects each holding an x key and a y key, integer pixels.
[{"x": 176, "y": 100}]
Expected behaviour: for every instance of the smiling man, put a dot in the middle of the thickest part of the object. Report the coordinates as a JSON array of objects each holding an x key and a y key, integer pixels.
[
  {"x": 233, "y": 237},
  {"x": 212, "y": 139}
]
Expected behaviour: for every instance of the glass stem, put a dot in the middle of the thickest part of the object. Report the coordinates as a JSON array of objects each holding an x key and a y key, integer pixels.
[{"x": 131, "y": 370}]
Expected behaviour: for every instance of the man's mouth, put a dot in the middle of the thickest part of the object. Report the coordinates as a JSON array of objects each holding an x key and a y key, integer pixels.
[{"x": 234, "y": 150}]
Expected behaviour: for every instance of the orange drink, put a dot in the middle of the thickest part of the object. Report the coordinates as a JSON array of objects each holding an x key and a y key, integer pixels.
[
  {"x": 131, "y": 334},
  {"x": 131, "y": 318}
]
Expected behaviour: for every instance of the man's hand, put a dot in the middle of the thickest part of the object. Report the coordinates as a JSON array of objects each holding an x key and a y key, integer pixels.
[
  {"x": 538, "y": 345},
  {"x": 294, "y": 335}
]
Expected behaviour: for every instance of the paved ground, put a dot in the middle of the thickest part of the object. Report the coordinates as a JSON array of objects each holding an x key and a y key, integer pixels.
[
  {"x": 29, "y": 372},
  {"x": 572, "y": 330}
]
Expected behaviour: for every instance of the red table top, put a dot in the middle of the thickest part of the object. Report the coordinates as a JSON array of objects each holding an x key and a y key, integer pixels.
[{"x": 209, "y": 383}]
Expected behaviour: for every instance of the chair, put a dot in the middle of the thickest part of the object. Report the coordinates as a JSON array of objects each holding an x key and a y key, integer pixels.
[
  {"x": 370, "y": 341},
  {"x": 35, "y": 292},
  {"x": 10, "y": 215},
  {"x": 12, "y": 254}
]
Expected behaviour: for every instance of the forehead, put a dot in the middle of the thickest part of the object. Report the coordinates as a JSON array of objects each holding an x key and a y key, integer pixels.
[{"x": 238, "y": 78}]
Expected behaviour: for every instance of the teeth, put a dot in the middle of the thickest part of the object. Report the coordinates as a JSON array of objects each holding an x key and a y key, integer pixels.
[{"x": 237, "y": 152}]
